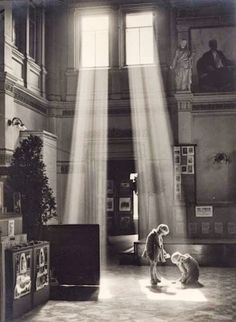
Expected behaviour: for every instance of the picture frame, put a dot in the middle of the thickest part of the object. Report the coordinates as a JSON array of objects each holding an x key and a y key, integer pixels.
[
  {"x": 110, "y": 204},
  {"x": 177, "y": 169},
  {"x": 125, "y": 222},
  {"x": 190, "y": 169},
  {"x": 125, "y": 186},
  {"x": 184, "y": 169},
  {"x": 184, "y": 150},
  {"x": 190, "y": 159},
  {"x": 178, "y": 178},
  {"x": 199, "y": 44},
  {"x": 177, "y": 159},
  {"x": 190, "y": 150},
  {"x": 204, "y": 211},
  {"x": 125, "y": 204},
  {"x": 176, "y": 149}
]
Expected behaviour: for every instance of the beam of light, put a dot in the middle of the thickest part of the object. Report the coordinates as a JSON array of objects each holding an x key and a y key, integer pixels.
[
  {"x": 86, "y": 186},
  {"x": 104, "y": 291},
  {"x": 153, "y": 145},
  {"x": 166, "y": 291}
]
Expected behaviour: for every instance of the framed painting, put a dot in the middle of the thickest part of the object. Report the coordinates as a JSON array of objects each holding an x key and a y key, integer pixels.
[
  {"x": 125, "y": 204},
  {"x": 110, "y": 204},
  {"x": 202, "y": 40}
]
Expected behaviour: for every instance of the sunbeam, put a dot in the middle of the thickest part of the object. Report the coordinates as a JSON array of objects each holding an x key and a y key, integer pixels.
[
  {"x": 86, "y": 188},
  {"x": 153, "y": 145}
]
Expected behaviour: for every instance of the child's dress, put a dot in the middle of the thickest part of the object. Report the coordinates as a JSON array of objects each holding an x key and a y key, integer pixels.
[{"x": 154, "y": 247}]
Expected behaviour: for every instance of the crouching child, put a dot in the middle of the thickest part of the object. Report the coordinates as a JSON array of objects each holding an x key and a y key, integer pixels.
[{"x": 188, "y": 267}]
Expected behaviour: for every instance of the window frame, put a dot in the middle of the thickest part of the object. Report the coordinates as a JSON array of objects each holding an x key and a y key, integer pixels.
[
  {"x": 124, "y": 10},
  {"x": 82, "y": 12},
  {"x": 35, "y": 37}
]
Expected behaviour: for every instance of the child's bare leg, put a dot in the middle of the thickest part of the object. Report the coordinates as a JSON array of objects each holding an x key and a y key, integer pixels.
[
  {"x": 153, "y": 273},
  {"x": 157, "y": 274}
]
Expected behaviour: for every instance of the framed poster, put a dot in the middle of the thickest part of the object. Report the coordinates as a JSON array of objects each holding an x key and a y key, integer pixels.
[
  {"x": 204, "y": 211},
  {"x": 125, "y": 204}
]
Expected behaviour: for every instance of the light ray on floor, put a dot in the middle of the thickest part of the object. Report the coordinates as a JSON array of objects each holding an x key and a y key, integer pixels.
[
  {"x": 86, "y": 187},
  {"x": 166, "y": 291}
]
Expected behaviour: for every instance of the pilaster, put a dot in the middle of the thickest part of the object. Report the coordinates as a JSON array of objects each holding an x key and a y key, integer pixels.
[{"x": 184, "y": 103}]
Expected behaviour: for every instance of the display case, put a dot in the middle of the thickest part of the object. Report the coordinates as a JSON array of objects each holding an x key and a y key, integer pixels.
[
  {"x": 41, "y": 268},
  {"x": 18, "y": 271}
]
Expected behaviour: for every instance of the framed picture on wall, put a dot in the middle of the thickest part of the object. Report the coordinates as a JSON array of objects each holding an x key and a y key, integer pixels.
[
  {"x": 125, "y": 204},
  {"x": 110, "y": 204},
  {"x": 125, "y": 186},
  {"x": 184, "y": 150},
  {"x": 201, "y": 40},
  {"x": 125, "y": 222}
]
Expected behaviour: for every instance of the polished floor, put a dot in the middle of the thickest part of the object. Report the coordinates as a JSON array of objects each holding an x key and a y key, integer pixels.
[{"x": 125, "y": 295}]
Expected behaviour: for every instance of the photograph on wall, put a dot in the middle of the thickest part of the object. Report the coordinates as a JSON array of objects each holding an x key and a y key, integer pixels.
[
  {"x": 190, "y": 169},
  {"x": 204, "y": 211},
  {"x": 213, "y": 72},
  {"x": 110, "y": 204},
  {"x": 177, "y": 159},
  {"x": 125, "y": 186},
  {"x": 231, "y": 226},
  {"x": 206, "y": 227},
  {"x": 184, "y": 150},
  {"x": 190, "y": 159},
  {"x": 190, "y": 150},
  {"x": 184, "y": 169},
  {"x": 125, "y": 204},
  {"x": 125, "y": 222},
  {"x": 176, "y": 149},
  {"x": 218, "y": 227},
  {"x": 177, "y": 169}
]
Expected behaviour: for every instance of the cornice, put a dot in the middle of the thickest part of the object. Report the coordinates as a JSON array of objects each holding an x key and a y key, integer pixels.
[
  {"x": 206, "y": 102},
  {"x": 9, "y": 86}
]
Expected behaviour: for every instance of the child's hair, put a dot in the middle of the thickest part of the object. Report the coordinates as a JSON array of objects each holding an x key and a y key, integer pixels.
[
  {"x": 175, "y": 257},
  {"x": 163, "y": 228}
]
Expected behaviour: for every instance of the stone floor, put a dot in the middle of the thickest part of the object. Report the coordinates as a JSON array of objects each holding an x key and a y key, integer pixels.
[{"x": 125, "y": 295}]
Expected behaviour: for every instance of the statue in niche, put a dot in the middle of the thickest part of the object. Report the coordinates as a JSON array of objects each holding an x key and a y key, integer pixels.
[
  {"x": 182, "y": 65},
  {"x": 215, "y": 71}
]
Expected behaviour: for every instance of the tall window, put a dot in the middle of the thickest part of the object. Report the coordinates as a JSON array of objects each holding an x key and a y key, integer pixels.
[
  {"x": 32, "y": 32},
  {"x": 139, "y": 38},
  {"x": 18, "y": 27},
  {"x": 95, "y": 41}
]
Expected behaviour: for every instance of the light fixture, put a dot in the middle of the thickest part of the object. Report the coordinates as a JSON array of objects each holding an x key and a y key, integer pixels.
[
  {"x": 16, "y": 121},
  {"x": 221, "y": 157}
]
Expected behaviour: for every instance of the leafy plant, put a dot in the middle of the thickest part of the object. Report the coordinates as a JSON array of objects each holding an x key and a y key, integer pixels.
[{"x": 27, "y": 175}]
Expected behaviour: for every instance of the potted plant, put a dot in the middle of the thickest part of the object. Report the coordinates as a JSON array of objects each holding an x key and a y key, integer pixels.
[{"x": 27, "y": 175}]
